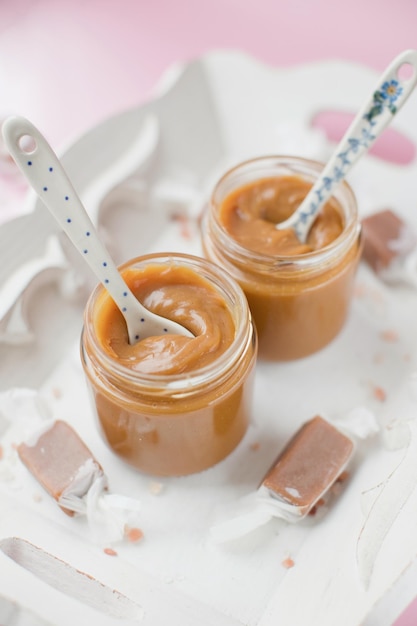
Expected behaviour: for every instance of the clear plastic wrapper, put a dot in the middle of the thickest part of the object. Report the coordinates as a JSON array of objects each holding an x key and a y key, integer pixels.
[
  {"x": 61, "y": 462},
  {"x": 303, "y": 477},
  {"x": 390, "y": 247}
]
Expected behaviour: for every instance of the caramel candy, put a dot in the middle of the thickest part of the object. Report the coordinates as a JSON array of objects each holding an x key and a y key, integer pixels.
[
  {"x": 61, "y": 463},
  {"x": 308, "y": 466},
  {"x": 386, "y": 237}
]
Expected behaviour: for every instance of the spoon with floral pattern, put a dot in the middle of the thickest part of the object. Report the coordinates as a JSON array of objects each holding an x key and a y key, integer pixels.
[
  {"x": 43, "y": 170},
  {"x": 387, "y": 98}
]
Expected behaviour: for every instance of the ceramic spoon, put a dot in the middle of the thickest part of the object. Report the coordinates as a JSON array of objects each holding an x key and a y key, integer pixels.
[
  {"x": 386, "y": 99},
  {"x": 46, "y": 175}
]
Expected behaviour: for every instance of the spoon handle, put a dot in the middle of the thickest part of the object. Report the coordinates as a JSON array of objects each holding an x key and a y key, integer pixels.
[
  {"x": 389, "y": 95},
  {"x": 47, "y": 177}
]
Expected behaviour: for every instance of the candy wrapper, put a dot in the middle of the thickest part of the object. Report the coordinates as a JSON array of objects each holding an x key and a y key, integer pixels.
[
  {"x": 390, "y": 247},
  {"x": 302, "y": 478},
  {"x": 65, "y": 467}
]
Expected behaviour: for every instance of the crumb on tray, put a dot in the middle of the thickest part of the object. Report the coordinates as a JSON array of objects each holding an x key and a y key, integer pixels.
[
  {"x": 389, "y": 335},
  {"x": 379, "y": 393},
  {"x": 110, "y": 551},
  {"x": 155, "y": 487},
  {"x": 133, "y": 534}
]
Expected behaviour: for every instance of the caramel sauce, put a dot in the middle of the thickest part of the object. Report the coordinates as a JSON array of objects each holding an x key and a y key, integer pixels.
[
  {"x": 177, "y": 293},
  {"x": 249, "y": 214}
]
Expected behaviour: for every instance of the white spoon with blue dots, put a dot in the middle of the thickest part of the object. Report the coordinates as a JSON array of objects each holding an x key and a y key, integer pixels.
[{"x": 43, "y": 170}]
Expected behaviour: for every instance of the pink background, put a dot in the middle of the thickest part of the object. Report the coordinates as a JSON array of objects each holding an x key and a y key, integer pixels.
[{"x": 68, "y": 64}]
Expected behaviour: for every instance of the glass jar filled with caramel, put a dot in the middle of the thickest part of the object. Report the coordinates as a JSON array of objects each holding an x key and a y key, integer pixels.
[
  {"x": 299, "y": 294},
  {"x": 172, "y": 405}
]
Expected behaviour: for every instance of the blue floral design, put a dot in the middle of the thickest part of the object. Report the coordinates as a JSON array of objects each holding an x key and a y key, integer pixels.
[
  {"x": 390, "y": 90},
  {"x": 384, "y": 99}
]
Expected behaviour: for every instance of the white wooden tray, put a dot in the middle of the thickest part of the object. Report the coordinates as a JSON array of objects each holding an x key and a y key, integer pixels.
[{"x": 209, "y": 114}]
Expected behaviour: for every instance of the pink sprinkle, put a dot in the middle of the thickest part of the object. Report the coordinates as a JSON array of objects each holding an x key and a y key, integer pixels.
[
  {"x": 288, "y": 563},
  {"x": 155, "y": 488},
  {"x": 391, "y": 336},
  {"x": 1, "y": 452},
  {"x": 110, "y": 551},
  {"x": 379, "y": 394},
  {"x": 184, "y": 223},
  {"x": 133, "y": 534},
  {"x": 255, "y": 446}
]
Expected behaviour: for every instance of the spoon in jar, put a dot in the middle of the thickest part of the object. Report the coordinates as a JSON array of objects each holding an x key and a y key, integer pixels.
[
  {"x": 43, "y": 170},
  {"x": 386, "y": 99}
]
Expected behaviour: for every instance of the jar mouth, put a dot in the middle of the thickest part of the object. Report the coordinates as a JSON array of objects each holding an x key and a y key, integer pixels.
[
  {"x": 225, "y": 286},
  {"x": 275, "y": 166}
]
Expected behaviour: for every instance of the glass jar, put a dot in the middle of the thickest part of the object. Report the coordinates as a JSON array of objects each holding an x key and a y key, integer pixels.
[
  {"x": 174, "y": 424},
  {"x": 299, "y": 303}
]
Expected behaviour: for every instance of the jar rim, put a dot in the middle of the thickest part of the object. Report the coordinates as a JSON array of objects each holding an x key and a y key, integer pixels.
[
  {"x": 183, "y": 382},
  {"x": 311, "y": 167}
]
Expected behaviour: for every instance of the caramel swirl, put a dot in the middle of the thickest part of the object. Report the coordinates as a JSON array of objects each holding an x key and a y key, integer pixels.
[
  {"x": 177, "y": 293},
  {"x": 249, "y": 214}
]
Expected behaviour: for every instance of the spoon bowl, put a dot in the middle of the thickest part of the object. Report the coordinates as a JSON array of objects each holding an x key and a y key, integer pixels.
[
  {"x": 389, "y": 95},
  {"x": 44, "y": 172}
]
